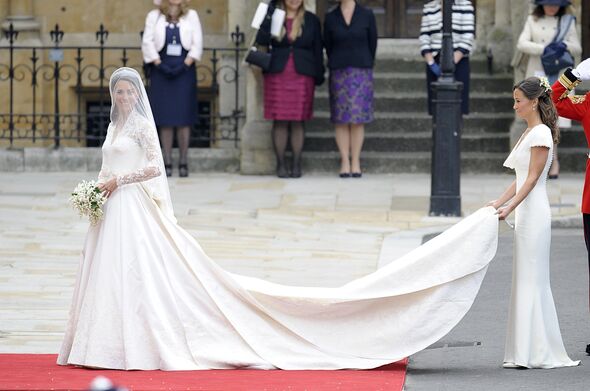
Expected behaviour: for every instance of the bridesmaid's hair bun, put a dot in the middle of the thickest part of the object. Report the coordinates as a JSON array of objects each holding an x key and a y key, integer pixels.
[{"x": 539, "y": 88}]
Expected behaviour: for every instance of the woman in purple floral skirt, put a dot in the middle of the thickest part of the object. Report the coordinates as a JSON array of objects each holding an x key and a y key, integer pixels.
[{"x": 350, "y": 37}]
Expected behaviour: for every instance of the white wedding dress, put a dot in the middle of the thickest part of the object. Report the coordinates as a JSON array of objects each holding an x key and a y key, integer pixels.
[
  {"x": 533, "y": 338},
  {"x": 148, "y": 297}
]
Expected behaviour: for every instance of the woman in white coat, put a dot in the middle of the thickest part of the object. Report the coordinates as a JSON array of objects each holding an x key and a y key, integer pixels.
[
  {"x": 539, "y": 30},
  {"x": 172, "y": 42}
]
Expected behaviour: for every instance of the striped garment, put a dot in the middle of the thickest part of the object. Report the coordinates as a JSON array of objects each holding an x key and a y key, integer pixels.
[{"x": 432, "y": 24}]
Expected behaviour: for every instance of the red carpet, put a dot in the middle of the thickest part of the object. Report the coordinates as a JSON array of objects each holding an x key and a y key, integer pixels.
[{"x": 40, "y": 372}]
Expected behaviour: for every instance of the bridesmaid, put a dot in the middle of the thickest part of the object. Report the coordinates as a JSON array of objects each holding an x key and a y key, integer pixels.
[
  {"x": 297, "y": 65},
  {"x": 350, "y": 38},
  {"x": 533, "y": 339}
]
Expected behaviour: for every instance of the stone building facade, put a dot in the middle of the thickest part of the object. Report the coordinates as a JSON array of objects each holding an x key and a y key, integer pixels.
[{"x": 498, "y": 24}]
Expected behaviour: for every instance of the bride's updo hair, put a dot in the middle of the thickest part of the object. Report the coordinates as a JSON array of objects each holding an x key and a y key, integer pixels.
[{"x": 533, "y": 88}]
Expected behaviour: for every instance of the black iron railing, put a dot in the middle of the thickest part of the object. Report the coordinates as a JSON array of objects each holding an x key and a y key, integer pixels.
[{"x": 57, "y": 93}]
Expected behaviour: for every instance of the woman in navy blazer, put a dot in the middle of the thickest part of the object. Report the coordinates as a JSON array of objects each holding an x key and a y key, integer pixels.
[
  {"x": 172, "y": 42},
  {"x": 297, "y": 65},
  {"x": 350, "y": 37}
]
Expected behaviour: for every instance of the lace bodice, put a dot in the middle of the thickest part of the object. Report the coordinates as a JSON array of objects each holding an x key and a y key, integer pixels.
[{"x": 130, "y": 154}]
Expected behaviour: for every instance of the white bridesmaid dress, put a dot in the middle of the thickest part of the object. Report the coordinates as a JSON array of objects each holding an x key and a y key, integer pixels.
[{"x": 533, "y": 337}]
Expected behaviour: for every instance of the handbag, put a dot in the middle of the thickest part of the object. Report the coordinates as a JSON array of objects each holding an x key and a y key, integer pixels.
[
  {"x": 554, "y": 57},
  {"x": 258, "y": 58}
]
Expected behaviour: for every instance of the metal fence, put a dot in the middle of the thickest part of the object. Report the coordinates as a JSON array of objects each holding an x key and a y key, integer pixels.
[{"x": 51, "y": 94}]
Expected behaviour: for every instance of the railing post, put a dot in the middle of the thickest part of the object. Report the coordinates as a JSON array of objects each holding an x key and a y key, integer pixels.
[
  {"x": 56, "y": 36},
  {"x": 237, "y": 38},
  {"x": 11, "y": 34},
  {"x": 34, "y": 60},
  {"x": 101, "y": 35},
  {"x": 79, "y": 59}
]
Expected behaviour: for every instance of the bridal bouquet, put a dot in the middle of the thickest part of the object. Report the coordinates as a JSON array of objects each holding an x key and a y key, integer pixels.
[{"x": 87, "y": 200}]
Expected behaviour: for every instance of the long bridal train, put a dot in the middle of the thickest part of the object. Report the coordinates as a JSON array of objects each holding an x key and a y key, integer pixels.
[{"x": 148, "y": 297}]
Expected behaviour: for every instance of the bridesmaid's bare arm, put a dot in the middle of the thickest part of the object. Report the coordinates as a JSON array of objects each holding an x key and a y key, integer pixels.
[{"x": 539, "y": 156}]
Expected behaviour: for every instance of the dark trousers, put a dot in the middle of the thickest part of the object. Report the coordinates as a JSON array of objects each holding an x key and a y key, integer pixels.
[
  {"x": 586, "y": 218},
  {"x": 462, "y": 72}
]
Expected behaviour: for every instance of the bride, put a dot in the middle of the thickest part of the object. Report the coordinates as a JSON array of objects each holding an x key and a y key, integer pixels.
[{"x": 148, "y": 297}]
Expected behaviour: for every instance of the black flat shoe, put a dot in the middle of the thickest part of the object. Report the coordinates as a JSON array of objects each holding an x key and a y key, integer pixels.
[
  {"x": 296, "y": 171},
  {"x": 168, "y": 168},
  {"x": 553, "y": 176},
  {"x": 344, "y": 175},
  {"x": 282, "y": 171},
  {"x": 183, "y": 170},
  {"x": 356, "y": 174}
]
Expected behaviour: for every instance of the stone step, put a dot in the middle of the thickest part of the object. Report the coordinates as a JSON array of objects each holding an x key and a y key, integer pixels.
[
  {"x": 410, "y": 122},
  {"x": 415, "y": 101},
  {"x": 572, "y": 137},
  {"x": 396, "y": 81},
  {"x": 573, "y": 159},
  {"x": 415, "y": 142},
  {"x": 402, "y": 162},
  {"x": 385, "y": 64}
]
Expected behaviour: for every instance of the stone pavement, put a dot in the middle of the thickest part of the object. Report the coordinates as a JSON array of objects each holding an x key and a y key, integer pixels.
[
  {"x": 470, "y": 356},
  {"x": 317, "y": 230}
]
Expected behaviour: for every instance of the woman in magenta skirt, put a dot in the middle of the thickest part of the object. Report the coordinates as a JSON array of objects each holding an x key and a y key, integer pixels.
[{"x": 296, "y": 67}]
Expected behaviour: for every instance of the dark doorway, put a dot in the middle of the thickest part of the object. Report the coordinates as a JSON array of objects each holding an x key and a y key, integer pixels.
[
  {"x": 585, "y": 30},
  {"x": 383, "y": 9},
  {"x": 395, "y": 18}
]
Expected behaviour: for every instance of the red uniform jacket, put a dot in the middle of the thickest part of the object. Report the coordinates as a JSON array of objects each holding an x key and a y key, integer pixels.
[{"x": 577, "y": 108}]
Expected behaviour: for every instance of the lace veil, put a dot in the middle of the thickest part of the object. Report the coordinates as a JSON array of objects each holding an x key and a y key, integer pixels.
[{"x": 142, "y": 121}]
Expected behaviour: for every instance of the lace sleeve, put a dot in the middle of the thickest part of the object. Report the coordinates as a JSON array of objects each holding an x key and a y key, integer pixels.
[
  {"x": 103, "y": 174},
  {"x": 149, "y": 142}
]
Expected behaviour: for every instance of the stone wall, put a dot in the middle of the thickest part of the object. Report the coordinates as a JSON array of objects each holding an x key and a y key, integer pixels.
[{"x": 79, "y": 20}]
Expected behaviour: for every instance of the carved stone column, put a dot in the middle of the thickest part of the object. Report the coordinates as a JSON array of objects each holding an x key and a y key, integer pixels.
[
  {"x": 20, "y": 14},
  {"x": 500, "y": 38},
  {"x": 256, "y": 153},
  {"x": 518, "y": 14}
]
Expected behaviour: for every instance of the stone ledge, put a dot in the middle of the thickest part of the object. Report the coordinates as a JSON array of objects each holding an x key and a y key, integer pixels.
[{"x": 89, "y": 159}]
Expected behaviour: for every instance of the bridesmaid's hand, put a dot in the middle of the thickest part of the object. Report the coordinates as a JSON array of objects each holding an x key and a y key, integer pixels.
[
  {"x": 108, "y": 187},
  {"x": 503, "y": 212},
  {"x": 494, "y": 204}
]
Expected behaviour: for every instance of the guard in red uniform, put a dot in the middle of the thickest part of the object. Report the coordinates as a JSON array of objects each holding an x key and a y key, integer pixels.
[{"x": 577, "y": 108}]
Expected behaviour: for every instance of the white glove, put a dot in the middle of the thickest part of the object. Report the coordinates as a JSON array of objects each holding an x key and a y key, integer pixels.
[{"x": 582, "y": 71}]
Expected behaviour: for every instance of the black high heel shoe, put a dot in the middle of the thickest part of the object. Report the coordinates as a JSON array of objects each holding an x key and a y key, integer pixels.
[
  {"x": 168, "y": 168},
  {"x": 183, "y": 170}
]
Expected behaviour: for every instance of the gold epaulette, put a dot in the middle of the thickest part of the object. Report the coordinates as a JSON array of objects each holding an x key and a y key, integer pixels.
[
  {"x": 577, "y": 99},
  {"x": 569, "y": 81}
]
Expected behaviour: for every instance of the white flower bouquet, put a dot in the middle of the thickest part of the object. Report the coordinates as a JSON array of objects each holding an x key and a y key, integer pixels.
[{"x": 87, "y": 200}]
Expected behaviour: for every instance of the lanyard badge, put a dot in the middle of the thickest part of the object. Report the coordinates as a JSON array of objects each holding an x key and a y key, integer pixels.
[{"x": 174, "y": 49}]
